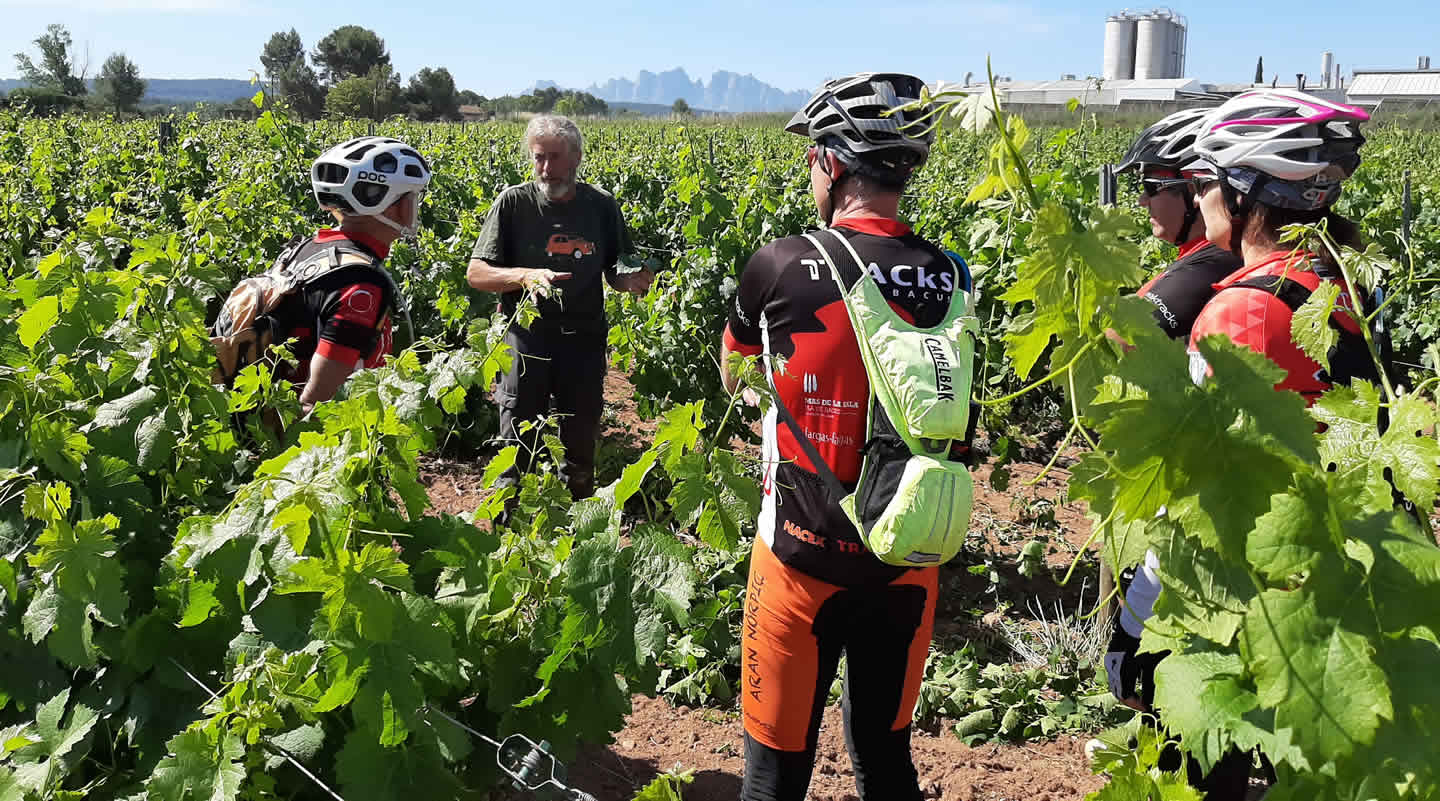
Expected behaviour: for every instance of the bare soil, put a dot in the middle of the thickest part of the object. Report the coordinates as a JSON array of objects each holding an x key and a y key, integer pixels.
[{"x": 658, "y": 737}]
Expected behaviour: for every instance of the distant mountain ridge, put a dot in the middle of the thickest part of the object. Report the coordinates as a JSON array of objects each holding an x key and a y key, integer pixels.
[
  {"x": 176, "y": 90},
  {"x": 726, "y": 91}
]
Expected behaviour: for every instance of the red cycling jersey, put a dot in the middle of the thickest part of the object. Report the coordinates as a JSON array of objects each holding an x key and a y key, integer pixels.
[
  {"x": 352, "y": 319},
  {"x": 1259, "y": 320}
]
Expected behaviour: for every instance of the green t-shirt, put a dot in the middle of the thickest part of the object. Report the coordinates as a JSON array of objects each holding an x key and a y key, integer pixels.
[{"x": 585, "y": 237}]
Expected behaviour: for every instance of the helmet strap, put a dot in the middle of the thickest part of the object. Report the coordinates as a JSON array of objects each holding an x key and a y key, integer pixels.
[
  {"x": 834, "y": 182},
  {"x": 1192, "y": 212}
]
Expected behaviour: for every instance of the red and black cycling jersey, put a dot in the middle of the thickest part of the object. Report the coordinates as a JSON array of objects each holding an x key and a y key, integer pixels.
[
  {"x": 1183, "y": 289},
  {"x": 1258, "y": 319},
  {"x": 789, "y": 306},
  {"x": 338, "y": 316}
]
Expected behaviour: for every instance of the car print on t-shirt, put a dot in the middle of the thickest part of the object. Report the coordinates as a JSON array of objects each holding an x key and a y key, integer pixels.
[{"x": 571, "y": 245}]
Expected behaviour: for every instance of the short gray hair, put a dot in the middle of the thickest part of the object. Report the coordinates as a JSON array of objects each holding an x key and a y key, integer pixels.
[{"x": 547, "y": 126}]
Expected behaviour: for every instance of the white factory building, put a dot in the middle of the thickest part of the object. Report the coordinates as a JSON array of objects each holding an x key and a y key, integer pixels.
[{"x": 1144, "y": 63}]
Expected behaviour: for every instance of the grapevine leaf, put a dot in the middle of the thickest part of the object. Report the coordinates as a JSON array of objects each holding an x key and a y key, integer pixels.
[
  {"x": 1404, "y": 571},
  {"x": 504, "y": 460},
  {"x": 59, "y": 747},
  {"x": 681, "y": 429},
  {"x": 1070, "y": 267},
  {"x": 597, "y": 577},
  {"x": 1413, "y": 456},
  {"x": 199, "y": 765},
  {"x": 1202, "y": 694},
  {"x": 304, "y": 743},
  {"x": 664, "y": 586},
  {"x": 125, "y": 410},
  {"x": 1214, "y": 454},
  {"x": 633, "y": 475},
  {"x": 39, "y": 319},
  {"x": 154, "y": 441},
  {"x": 666, "y": 787},
  {"x": 60, "y": 447},
  {"x": 199, "y": 601},
  {"x": 10, "y": 788},
  {"x": 1320, "y": 678},
  {"x": 388, "y": 696},
  {"x": 1290, "y": 538},
  {"x": 81, "y": 581},
  {"x": 1353, "y": 445},
  {"x": 1203, "y": 593},
  {"x": 371, "y": 772},
  {"x": 1310, "y": 325}
]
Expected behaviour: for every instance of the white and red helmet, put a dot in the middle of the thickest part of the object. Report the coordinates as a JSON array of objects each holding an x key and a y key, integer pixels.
[
  {"x": 365, "y": 176},
  {"x": 1290, "y": 149}
]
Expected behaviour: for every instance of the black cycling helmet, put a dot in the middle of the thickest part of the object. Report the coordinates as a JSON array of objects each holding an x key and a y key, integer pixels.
[
  {"x": 1169, "y": 143},
  {"x": 858, "y": 116}
]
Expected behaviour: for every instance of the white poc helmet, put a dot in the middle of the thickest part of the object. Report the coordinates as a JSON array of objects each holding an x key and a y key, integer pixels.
[
  {"x": 1290, "y": 148},
  {"x": 365, "y": 176}
]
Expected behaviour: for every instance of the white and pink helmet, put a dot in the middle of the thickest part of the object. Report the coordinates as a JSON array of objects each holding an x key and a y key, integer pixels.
[{"x": 1287, "y": 148}]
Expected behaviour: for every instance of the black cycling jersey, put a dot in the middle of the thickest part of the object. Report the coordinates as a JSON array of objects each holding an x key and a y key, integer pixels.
[
  {"x": 789, "y": 306},
  {"x": 1183, "y": 289}
]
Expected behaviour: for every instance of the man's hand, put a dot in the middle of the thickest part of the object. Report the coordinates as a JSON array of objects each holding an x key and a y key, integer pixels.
[
  {"x": 636, "y": 283},
  {"x": 541, "y": 282}
]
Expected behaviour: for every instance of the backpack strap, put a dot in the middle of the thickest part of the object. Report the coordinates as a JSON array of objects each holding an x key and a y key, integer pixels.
[
  {"x": 341, "y": 256},
  {"x": 1350, "y": 358},
  {"x": 827, "y": 476}
]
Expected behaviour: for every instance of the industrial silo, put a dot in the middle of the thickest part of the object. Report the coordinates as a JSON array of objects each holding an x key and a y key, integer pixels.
[
  {"x": 1179, "y": 33},
  {"x": 1152, "y": 46},
  {"x": 1327, "y": 68},
  {"x": 1119, "y": 47}
]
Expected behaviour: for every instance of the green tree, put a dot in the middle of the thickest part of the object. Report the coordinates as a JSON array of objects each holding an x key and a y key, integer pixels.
[
  {"x": 470, "y": 98},
  {"x": 431, "y": 95},
  {"x": 56, "y": 70},
  {"x": 679, "y": 106},
  {"x": 1260, "y": 70},
  {"x": 374, "y": 95},
  {"x": 119, "y": 85},
  {"x": 350, "y": 51},
  {"x": 291, "y": 77}
]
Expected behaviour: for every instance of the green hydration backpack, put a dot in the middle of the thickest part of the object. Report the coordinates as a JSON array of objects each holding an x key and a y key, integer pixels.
[{"x": 912, "y": 502}]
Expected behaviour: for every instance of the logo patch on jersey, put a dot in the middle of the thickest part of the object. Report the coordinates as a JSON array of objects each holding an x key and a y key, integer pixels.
[
  {"x": 361, "y": 301},
  {"x": 944, "y": 384}
]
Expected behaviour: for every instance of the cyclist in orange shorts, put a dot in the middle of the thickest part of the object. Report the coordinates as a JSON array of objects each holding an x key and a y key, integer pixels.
[{"x": 815, "y": 592}]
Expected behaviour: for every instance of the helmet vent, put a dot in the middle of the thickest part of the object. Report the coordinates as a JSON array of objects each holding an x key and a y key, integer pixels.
[
  {"x": 360, "y": 153},
  {"x": 413, "y": 171},
  {"x": 332, "y": 200},
  {"x": 387, "y": 163},
  {"x": 328, "y": 173},
  {"x": 369, "y": 193}
]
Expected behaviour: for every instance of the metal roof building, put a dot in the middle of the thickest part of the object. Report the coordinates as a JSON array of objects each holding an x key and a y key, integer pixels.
[
  {"x": 1110, "y": 93},
  {"x": 1372, "y": 87}
]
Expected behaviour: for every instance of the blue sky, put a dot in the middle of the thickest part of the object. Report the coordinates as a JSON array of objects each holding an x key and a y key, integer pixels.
[{"x": 497, "y": 48}]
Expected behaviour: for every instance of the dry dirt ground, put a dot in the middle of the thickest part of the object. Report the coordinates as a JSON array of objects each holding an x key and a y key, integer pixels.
[{"x": 658, "y": 737}]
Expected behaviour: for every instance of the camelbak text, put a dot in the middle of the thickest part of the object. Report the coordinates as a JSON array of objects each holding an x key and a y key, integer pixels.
[{"x": 944, "y": 387}]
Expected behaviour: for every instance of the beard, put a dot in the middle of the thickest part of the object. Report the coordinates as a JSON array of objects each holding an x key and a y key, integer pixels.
[{"x": 559, "y": 189}]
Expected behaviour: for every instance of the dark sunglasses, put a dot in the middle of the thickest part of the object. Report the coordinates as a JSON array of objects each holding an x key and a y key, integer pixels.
[{"x": 1154, "y": 186}]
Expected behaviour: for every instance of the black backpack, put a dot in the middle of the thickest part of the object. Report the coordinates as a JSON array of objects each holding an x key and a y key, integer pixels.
[{"x": 254, "y": 314}]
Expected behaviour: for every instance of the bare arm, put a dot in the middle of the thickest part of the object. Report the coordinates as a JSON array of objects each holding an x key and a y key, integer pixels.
[
  {"x": 486, "y": 277},
  {"x": 729, "y": 381},
  {"x": 326, "y": 376},
  {"x": 636, "y": 283}
]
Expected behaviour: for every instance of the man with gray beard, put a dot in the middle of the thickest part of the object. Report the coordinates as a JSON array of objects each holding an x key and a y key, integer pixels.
[{"x": 554, "y": 238}]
